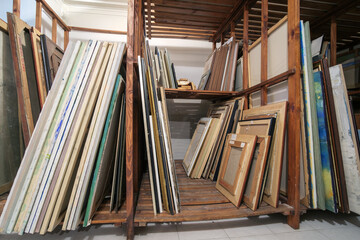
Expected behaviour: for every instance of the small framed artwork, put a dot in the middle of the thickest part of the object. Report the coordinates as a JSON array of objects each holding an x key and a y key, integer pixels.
[
  {"x": 195, "y": 144},
  {"x": 257, "y": 171},
  {"x": 235, "y": 166}
]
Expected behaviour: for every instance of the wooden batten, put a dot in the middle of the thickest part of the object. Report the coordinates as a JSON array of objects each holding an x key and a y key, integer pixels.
[
  {"x": 54, "y": 30},
  {"x": 264, "y": 49},
  {"x": 246, "y": 53},
  {"x": 333, "y": 40},
  {"x": 16, "y": 7},
  {"x": 38, "y": 17},
  {"x": 293, "y": 135}
]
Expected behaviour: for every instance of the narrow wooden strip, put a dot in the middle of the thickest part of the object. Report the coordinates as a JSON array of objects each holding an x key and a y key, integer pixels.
[
  {"x": 16, "y": 7},
  {"x": 54, "y": 30},
  {"x": 264, "y": 49},
  {"x": 333, "y": 40},
  {"x": 38, "y": 17},
  {"x": 293, "y": 127},
  {"x": 97, "y": 30},
  {"x": 53, "y": 14}
]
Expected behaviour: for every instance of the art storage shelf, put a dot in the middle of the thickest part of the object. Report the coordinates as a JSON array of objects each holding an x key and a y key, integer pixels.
[
  {"x": 102, "y": 215},
  {"x": 199, "y": 94},
  {"x": 200, "y": 200}
]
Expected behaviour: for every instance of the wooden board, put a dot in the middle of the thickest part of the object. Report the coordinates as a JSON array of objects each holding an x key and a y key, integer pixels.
[
  {"x": 27, "y": 166},
  {"x": 349, "y": 148},
  {"x": 10, "y": 128}
]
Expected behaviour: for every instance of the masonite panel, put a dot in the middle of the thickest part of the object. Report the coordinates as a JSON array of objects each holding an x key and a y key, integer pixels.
[
  {"x": 235, "y": 166},
  {"x": 10, "y": 132}
]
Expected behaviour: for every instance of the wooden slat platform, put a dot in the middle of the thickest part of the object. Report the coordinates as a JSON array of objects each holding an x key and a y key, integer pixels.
[
  {"x": 102, "y": 215},
  {"x": 198, "y": 94},
  {"x": 200, "y": 200}
]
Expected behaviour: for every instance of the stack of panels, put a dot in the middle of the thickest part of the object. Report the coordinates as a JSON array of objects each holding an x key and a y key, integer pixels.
[
  {"x": 164, "y": 70},
  {"x": 220, "y": 68},
  {"x": 164, "y": 188},
  {"x": 329, "y": 139},
  {"x": 76, "y": 146}
]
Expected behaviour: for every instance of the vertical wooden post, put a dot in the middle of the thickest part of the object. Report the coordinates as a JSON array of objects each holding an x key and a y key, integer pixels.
[
  {"x": 232, "y": 31},
  {"x": 66, "y": 38},
  {"x": 246, "y": 53},
  {"x": 214, "y": 45},
  {"x": 222, "y": 38},
  {"x": 16, "y": 7},
  {"x": 129, "y": 93},
  {"x": 54, "y": 29},
  {"x": 38, "y": 16},
  {"x": 293, "y": 134},
  {"x": 333, "y": 40},
  {"x": 264, "y": 49}
]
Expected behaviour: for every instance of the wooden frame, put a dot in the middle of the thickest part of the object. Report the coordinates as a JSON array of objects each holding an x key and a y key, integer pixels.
[
  {"x": 236, "y": 163},
  {"x": 257, "y": 170},
  {"x": 195, "y": 144},
  {"x": 256, "y": 126},
  {"x": 276, "y": 149}
]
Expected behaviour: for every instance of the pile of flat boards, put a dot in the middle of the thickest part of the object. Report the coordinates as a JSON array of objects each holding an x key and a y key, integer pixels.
[
  {"x": 161, "y": 165},
  {"x": 330, "y": 146},
  {"x": 240, "y": 149},
  {"x": 29, "y": 62},
  {"x": 77, "y": 147},
  {"x": 220, "y": 68},
  {"x": 164, "y": 68}
]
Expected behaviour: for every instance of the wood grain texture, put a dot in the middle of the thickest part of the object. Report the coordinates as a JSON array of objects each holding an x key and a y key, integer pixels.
[
  {"x": 293, "y": 127},
  {"x": 264, "y": 49}
]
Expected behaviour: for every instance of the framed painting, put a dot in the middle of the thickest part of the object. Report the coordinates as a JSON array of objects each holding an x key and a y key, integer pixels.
[
  {"x": 257, "y": 171},
  {"x": 272, "y": 185},
  {"x": 195, "y": 144},
  {"x": 235, "y": 166}
]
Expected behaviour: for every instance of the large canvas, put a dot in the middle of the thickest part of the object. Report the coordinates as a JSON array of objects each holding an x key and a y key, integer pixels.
[
  {"x": 326, "y": 158},
  {"x": 349, "y": 148}
]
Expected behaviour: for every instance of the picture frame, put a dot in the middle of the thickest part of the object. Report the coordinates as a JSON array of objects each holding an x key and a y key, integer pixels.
[
  {"x": 256, "y": 127},
  {"x": 195, "y": 144},
  {"x": 276, "y": 152},
  {"x": 235, "y": 166},
  {"x": 257, "y": 171}
]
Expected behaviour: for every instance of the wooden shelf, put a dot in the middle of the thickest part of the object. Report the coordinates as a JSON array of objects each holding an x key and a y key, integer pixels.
[
  {"x": 102, "y": 215},
  {"x": 200, "y": 200},
  {"x": 198, "y": 94}
]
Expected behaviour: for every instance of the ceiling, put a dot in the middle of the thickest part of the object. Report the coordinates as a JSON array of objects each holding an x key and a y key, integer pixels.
[{"x": 207, "y": 19}]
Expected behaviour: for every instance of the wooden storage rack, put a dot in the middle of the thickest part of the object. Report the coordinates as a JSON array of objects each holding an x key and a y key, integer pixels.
[
  {"x": 214, "y": 206},
  {"x": 214, "y": 20}
]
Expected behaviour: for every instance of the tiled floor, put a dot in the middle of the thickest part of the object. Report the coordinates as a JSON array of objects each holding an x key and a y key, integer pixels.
[{"x": 315, "y": 225}]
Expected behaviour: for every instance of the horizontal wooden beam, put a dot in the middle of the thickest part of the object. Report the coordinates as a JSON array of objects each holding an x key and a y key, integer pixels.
[
  {"x": 97, "y": 30},
  {"x": 270, "y": 82},
  {"x": 192, "y": 6},
  {"x": 335, "y": 12}
]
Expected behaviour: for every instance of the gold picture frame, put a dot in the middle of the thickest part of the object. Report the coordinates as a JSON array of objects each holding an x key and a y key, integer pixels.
[{"x": 235, "y": 166}]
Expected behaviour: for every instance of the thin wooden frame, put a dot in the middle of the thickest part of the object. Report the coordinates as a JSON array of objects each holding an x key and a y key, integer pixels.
[
  {"x": 272, "y": 187},
  {"x": 257, "y": 171},
  {"x": 256, "y": 126},
  {"x": 238, "y": 154},
  {"x": 195, "y": 144}
]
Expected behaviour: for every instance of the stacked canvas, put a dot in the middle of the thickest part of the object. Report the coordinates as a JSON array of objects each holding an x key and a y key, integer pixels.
[
  {"x": 71, "y": 154},
  {"x": 164, "y": 189},
  {"x": 202, "y": 159},
  {"x": 220, "y": 68},
  {"x": 164, "y": 70},
  {"x": 35, "y": 60},
  {"x": 330, "y": 147}
]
